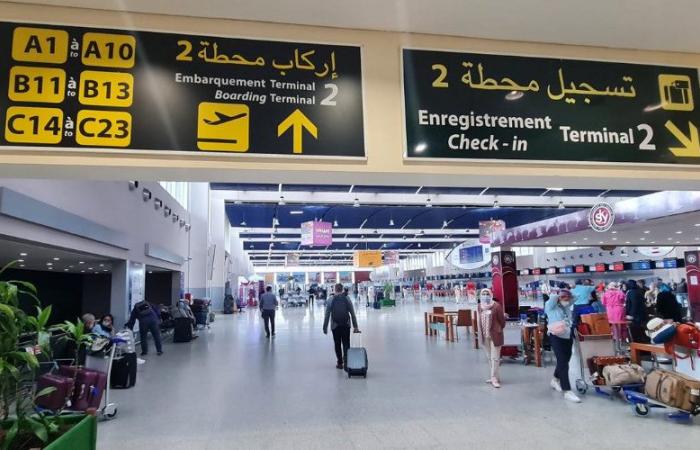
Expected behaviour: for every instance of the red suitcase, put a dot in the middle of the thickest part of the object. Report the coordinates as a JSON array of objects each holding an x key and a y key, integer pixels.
[
  {"x": 58, "y": 398},
  {"x": 85, "y": 382},
  {"x": 95, "y": 397}
]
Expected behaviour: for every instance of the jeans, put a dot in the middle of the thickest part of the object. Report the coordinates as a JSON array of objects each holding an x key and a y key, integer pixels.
[
  {"x": 576, "y": 316},
  {"x": 493, "y": 354},
  {"x": 154, "y": 327},
  {"x": 341, "y": 336},
  {"x": 562, "y": 350},
  {"x": 268, "y": 316}
]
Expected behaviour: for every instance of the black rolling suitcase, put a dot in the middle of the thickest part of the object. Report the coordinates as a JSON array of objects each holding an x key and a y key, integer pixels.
[
  {"x": 183, "y": 330},
  {"x": 123, "y": 374}
]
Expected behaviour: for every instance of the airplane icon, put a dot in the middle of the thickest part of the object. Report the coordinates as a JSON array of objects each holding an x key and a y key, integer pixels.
[{"x": 223, "y": 118}]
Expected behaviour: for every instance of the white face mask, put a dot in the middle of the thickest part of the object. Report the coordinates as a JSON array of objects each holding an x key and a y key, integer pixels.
[
  {"x": 565, "y": 303},
  {"x": 486, "y": 299}
]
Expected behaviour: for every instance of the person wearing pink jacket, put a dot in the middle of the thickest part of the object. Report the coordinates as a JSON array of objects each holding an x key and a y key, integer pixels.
[{"x": 614, "y": 302}]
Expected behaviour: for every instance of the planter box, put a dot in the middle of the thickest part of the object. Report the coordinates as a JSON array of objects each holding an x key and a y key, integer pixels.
[{"x": 81, "y": 436}]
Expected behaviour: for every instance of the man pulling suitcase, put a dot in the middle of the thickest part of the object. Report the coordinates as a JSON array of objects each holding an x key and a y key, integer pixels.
[{"x": 340, "y": 312}]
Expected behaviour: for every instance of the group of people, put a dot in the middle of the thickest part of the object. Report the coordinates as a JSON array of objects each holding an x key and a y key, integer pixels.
[{"x": 147, "y": 316}]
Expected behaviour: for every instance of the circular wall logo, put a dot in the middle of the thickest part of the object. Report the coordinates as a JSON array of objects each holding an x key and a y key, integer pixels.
[
  {"x": 692, "y": 258},
  {"x": 601, "y": 217},
  {"x": 508, "y": 258},
  {"x": 495, "y": 260}
]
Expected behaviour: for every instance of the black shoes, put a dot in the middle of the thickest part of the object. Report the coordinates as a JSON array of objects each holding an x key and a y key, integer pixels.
[
  {"x": 144, "y": 353},
  {"x": 160, "y": 353},
  {"x": 339, "y": 366}
]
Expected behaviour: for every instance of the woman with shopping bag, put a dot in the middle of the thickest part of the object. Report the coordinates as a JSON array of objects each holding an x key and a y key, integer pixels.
[{"x": 559, "y": 324}]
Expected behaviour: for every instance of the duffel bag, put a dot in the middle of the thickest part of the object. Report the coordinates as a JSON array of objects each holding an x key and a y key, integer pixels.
[
  {"x": 659, "y": 331},
  {"x": 623, "y": 374},
  {"x": 673, "y": 389}
]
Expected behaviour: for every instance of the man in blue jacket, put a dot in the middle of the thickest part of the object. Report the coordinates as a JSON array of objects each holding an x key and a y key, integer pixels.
[{"x": 149, "y": 320}]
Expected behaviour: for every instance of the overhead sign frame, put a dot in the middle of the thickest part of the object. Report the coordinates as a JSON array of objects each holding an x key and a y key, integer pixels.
[
  {"x": 439, "y": 160},
  {"x": 98, "y": 150}
]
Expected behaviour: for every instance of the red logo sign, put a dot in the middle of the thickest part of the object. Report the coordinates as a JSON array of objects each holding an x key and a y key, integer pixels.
[{"x": 601, "y": 217}]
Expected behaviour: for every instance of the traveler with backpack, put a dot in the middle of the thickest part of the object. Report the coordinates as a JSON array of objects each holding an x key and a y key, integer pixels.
[
  {"x": 342, "y": 313},
  {"x": 149, "y": 320}
]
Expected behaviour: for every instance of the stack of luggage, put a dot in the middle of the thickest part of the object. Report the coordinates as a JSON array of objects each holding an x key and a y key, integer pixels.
[
  {"x": 200, "y": 308},
  {"x": 125, "y": 362},
  {"x": 76, "y": 389},
  {"x": 183, "y": 321},
  {"x": 229, "y": 304}
]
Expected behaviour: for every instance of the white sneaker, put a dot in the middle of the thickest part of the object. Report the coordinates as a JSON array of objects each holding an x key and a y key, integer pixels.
[
  {"x": 570, "y": 396},
  {"x": 488, "y": 381},
  {"x": 495, "y": 383},
  {"x": 555, "y": 385}
]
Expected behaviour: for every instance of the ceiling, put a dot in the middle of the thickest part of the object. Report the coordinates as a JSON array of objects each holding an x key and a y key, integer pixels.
[
  {"x": 635, "y": 24},
  {"x": 409, "y": 219},
  {"x": 32, "y": 256}
]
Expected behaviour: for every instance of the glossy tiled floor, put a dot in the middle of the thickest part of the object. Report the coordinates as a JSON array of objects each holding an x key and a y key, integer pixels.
[{"x": 232, "y": 388}]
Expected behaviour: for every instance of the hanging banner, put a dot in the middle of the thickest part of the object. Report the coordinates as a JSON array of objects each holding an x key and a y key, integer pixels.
[
  {"x": 330, "y": 277},
  {"x": 488, "y": 228},
  {"x": 480, "y": 106},
  {"x": 314, "y": 277},
  {"x": 367, "y": 258},
  {"x": 291, "y": 259},
  {"x": 316, "y": 234},
  {"x": 91, "y": 89},
  {"x": 391, "y": 257}
]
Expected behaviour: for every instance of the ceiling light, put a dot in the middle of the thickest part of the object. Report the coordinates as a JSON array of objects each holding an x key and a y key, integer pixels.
[
  {"x": 678, "y": 242},
  {"x": 614, "y": 239},
  {"x": 653, "y": 242},
  {"x": 614, "y": 232},
  {"x": 50, "y": 268},
  {"x": 670, "y": 239},
  {"x": 356, "y": 203},
  {"x": 573, "y": 242},
  {"x": 391, "y": 222},
  {"x": 275, "y": 222},
  {"x": 167, "y": 211},
  {"x": 21, "y": 265},
  {"x": 496, "y": 205},
  {"x": 627, "y": 242},
  {"x": 82, "y": 271},
  {"x": 335, "y": 223},
  {"x": 272, "y": 244},
  {"x": 600, "y": 242},
  {"x": 20, "y": 260},
  {"x": 419, "y": 245},
  {"x": 347, "y": 244},
  {"x": 146, "y": 194},
  {"x": 444, "y": 224},
  {"x": 89, "y": 268},
  {"x": 421, "y": 233},
  {"x": 642, "y": 239},
  {"x": 102, "y": 265},
  {"x": 403, "y": 237},
  {"x": 281, "y": 202},
  {"x": 679, "y": 232},
  {"x": 104, "y": 270},
  {"x": 421, "y": 147},
  {"x": 157, "y": 203},
  {"x": 296, "y": 212},
  {"x": 65, "y": 270},
  {"x": 22, "y": 254},
  {"x": 561, "y": 205},
  {"x": 647, "y": 231},
  {"x": 49, "y": 264},
  {"x": 555, "y": 189},
  {"x": 57, "y": 259},
  {"x": 428, "y": 203},
  {"x": 697, "y": 225},
  {"x": 251, "y": 246},
  {"x": 546, "y": 242}
]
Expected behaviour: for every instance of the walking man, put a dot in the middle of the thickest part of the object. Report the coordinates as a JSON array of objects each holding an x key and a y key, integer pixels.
[
  {"x": 341, "y": 312},
  {"x": 268, "y": 304}
]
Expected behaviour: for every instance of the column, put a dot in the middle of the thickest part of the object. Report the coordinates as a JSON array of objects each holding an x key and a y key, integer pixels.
[
  {"x": 692, "y": 273},
  {"x": 505, "y": 281},
  {"x": 119, "y": 304}
]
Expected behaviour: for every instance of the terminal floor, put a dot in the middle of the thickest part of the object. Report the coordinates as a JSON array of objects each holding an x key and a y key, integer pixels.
[{"x": 233, "y": 388}]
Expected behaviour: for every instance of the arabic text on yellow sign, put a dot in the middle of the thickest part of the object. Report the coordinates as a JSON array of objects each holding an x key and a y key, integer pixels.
[
  {"x": 367, "y": 258},
  {"x": 28, "y": 124},
  {"x": 40, "y": 45},
  {"x": 99, "y": 88},
  {"x": 37, "y": 84},
  {"x": 103, "y": 128},
  {"x": 223, "y": 127},
  {"x": 109, "y": 50}
]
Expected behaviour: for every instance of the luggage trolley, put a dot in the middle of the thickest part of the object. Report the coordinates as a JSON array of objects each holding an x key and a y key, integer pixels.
[
  {"x": 107, "y": 409},
  {"x": 589, "y": 346},
  {"x": 642, "y": 405}
]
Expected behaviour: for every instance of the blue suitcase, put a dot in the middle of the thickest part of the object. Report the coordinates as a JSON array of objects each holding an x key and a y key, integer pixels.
[{"x": 357, "y": 361}]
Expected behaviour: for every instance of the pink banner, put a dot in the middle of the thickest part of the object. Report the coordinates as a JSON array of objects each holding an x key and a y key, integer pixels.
[{"x": 316, "y": 234}]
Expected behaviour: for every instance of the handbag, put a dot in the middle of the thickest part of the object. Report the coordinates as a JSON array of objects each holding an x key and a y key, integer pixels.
[{"x": 558, "y": 328}]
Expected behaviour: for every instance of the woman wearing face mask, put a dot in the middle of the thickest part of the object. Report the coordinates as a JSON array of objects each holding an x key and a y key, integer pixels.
[
  {"x": 491, "y": 324},
  {"x": 558, "y": 311},
  {"x": 105, "y": 327}
]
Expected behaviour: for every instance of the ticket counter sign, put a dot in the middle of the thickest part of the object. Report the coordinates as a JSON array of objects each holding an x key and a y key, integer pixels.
[
  {"x": 367, "y": 258},
  {"x": 96, "y": 89},
  {"x": 496, "y": 107}
]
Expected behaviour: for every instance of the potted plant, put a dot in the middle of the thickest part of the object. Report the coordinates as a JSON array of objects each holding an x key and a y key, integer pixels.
[
  {"x": 21, "y": 425},
  {"x": 388, "y": 294}
]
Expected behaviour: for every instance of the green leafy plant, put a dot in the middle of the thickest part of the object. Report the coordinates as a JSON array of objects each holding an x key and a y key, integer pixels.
[{"x": 18, "y": 366}]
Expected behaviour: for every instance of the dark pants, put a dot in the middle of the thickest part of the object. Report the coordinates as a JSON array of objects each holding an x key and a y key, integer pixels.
[
  {"x": 341, "y": 337},
  {"x": 268, "y": 316},
  {"x": 576, "y": 316},
  {"x": 144, "y": 327},
  {"x": 562, "y": 350}
]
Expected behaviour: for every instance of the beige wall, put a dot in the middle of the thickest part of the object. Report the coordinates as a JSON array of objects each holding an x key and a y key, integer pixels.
[{"x": 384, "y": 129}]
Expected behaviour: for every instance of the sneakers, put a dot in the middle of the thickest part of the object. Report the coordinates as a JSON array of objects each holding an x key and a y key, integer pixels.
[
  {"x": 555, "y": 385},
  {"x": 570, "y": 396},
  {"x": 495, "y": 383},
  {"x": 339, "y": 366},
  {"x": 488, "y": 381}
]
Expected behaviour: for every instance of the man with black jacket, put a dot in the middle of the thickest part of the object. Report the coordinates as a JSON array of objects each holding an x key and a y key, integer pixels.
[
  {"x": 149, "y": 320},
  {"x": 341, "y": 311}
]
